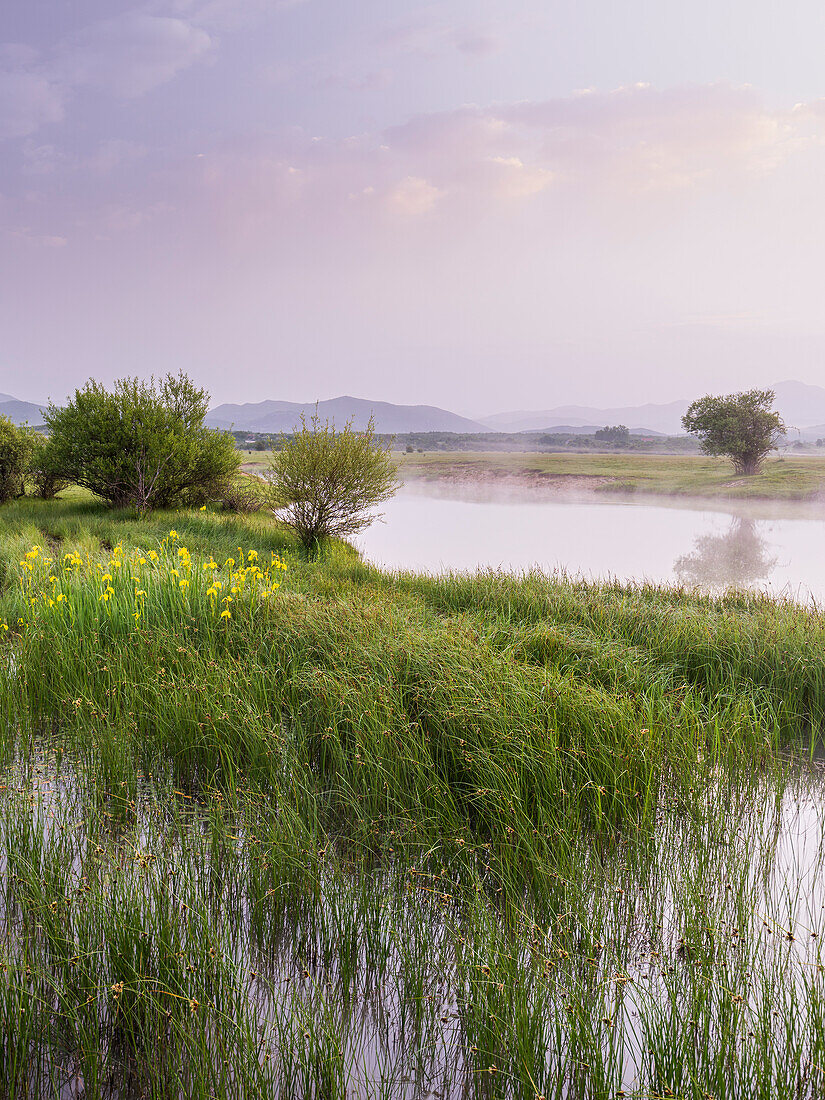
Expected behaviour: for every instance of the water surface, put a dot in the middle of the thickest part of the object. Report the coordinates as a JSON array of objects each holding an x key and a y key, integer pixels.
[{"x": 771, "y": 546}]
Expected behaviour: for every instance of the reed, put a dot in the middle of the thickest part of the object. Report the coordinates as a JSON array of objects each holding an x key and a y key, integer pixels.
[{"x": 511, "y": 836}]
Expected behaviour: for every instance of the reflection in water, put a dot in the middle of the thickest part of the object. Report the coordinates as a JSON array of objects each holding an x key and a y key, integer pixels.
[
  {"x": 736, "y": 559},
  {"x": 713, "y": 544}
]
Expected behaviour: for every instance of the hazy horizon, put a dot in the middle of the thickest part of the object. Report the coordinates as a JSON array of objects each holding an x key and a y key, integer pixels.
[{"x": 480, "y": 206}]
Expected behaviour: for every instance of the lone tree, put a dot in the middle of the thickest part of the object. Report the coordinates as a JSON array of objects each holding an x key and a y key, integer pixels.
[
  {"x": 743, "y": 426},
  {"x": 325, "y": 482},
  {"x": 16, "y": 449},
  {"x": 142, "y": 444}
]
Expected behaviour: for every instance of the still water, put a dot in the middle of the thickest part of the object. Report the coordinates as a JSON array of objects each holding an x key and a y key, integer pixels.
[{"x": 770, "y": 546}]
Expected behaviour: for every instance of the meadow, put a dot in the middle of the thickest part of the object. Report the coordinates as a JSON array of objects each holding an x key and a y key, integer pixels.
[
  {"x": 782, "y": 477},
  {"x": 280, "y": 827}
]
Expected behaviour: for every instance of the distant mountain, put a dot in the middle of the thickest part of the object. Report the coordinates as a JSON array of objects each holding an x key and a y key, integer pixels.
[
  {"x": 21, "y": 412},
  {"x": 656, "y": 418},
  {"x": 282, "y": 416},
  {"x": 584, "y": 429},
  {"x": 801, "y": 406}
]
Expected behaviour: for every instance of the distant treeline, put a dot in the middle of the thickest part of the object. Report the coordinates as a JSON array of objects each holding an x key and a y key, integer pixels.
[{"x": 412, "y": 442}]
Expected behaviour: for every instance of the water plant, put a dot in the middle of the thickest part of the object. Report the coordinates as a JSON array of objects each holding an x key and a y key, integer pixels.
[{"x": 375, "y": 834}]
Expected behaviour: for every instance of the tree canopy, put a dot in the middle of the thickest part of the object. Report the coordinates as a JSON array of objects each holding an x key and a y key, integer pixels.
[
  {"x": 17, "y": 446},
  {"x": 141, "y": 443},
  {"x": 325, "y": 482},
  {"x": 743, "y": 426}
]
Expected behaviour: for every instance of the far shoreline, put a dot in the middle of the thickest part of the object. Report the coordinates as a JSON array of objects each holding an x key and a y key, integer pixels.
[{"x": 799, "y": 480}]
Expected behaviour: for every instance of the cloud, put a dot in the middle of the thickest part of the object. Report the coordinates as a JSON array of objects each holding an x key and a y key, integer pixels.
[
  {"x": 130, "y": 54},
  {"x": 27, "y": 101},
  {"x": 126, "y": 56},
  {"x": 429, "y": 37},
  {"x": 412, "y": 197},
  {"x": 231, "y": 14},
  {"x": 599, "y": 150}
]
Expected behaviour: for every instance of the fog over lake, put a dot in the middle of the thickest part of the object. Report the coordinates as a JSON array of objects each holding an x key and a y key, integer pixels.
[{"x": 766, "y": 545}]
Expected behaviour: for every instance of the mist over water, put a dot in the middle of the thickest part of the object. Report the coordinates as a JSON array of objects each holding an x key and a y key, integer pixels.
[{"x": 776, "y": 547}]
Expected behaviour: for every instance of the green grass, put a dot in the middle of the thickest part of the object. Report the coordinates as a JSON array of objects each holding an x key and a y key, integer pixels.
[
  {"x": 519, "y": 836},
  {"x": 685, "y": 475}
]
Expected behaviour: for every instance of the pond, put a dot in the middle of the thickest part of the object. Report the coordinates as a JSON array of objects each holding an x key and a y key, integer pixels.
[{"x": 769, "y": 546}]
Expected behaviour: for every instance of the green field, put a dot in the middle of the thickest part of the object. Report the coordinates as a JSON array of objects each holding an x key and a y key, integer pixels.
[
  {"x": 385, "y": 835},
  {"x": 687, "y": 475}
]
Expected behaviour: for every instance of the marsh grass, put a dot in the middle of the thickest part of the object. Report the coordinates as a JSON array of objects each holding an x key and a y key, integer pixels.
[{"x": 385, "y": 835}]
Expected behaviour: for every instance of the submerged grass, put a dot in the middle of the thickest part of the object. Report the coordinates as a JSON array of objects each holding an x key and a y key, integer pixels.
[{"x": 396, "y": 835}]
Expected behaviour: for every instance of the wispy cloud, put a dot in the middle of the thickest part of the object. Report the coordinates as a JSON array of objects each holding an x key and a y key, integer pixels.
[
  {"x": 129, "y": 55},
  {"x": 125, "y": 56}
]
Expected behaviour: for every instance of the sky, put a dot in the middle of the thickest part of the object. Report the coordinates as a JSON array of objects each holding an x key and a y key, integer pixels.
[{"x": 479, "y": 204}]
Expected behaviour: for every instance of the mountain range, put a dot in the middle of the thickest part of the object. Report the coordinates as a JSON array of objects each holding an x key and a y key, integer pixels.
[
  {"x": 802, "y": 406},
  {"x": 282, "y": 416},
  {"x": 20, "y": 412}
]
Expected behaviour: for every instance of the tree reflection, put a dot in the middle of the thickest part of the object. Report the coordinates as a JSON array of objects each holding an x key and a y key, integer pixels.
[{"x": 734, "y": 560}]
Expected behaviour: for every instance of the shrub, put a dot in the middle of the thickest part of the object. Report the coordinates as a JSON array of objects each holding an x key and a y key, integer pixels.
[
  {"x": 16, "y": 449},
  {"x": 142, "y": 444},
  {"x": 324, "y": 483},
  {"x": 241, "y": 497},
  {"x": 45, "y": 475}
]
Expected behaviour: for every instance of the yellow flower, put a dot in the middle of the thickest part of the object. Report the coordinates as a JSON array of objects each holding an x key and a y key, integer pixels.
[
  {"x": 173, "y": 535},
  {"x": 153, "y": 555},
  {"x": 60, "y": 597},
  {"x": 252, "y": 555},
  {"x": 183, "y": 584},
  {"x": 226, "y": 613},
  {"x": 203, "y": 508}
]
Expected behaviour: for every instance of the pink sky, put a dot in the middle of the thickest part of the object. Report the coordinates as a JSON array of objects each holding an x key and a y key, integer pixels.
[{"x": 482, "y": 205}]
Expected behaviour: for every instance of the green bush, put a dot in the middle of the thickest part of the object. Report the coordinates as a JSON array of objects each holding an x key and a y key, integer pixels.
[
  {"x": 16, "y": 449},
  {"x": 142, "y": 444},
  {"x": 324, "y": 483},
  {"x": 44, "y": 474}
]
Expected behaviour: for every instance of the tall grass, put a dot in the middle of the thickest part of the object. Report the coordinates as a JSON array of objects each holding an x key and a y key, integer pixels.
[{"x": 519, "y": 836}]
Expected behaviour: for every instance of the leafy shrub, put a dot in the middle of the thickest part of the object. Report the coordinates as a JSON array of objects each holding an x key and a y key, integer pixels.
[
  {"x": 16, "y": 449},
  {"x": 241, "y": 497},
  {"x": 142, "y": 444},
  {"x": 44, "y": 470},
  {"x": 324, "y": 483}
]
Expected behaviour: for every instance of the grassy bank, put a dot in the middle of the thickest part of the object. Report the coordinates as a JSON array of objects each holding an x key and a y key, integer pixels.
[
  {"x": 373, "y": 835},
  {"x": 686, "y": 475}
]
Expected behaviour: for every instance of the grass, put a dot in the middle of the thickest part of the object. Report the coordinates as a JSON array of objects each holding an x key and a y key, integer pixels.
[
  {"x": 505, "y": 835},
  {"x": 782, "y": 478}
]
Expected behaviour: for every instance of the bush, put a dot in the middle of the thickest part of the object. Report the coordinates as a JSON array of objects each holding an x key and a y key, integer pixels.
[
  {"x": 142, "y": 444},
  {"x": 241, "y": 497},
  {"x": 323, "y": 483},
  {"x": 16, "y": 449},
  {"x": 44, "y": 471}
]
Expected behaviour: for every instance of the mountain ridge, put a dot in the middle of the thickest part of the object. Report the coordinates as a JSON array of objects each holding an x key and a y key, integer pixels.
[
  {"x": 282, "y": 416},
  {"x": 801, "y": 405}
]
